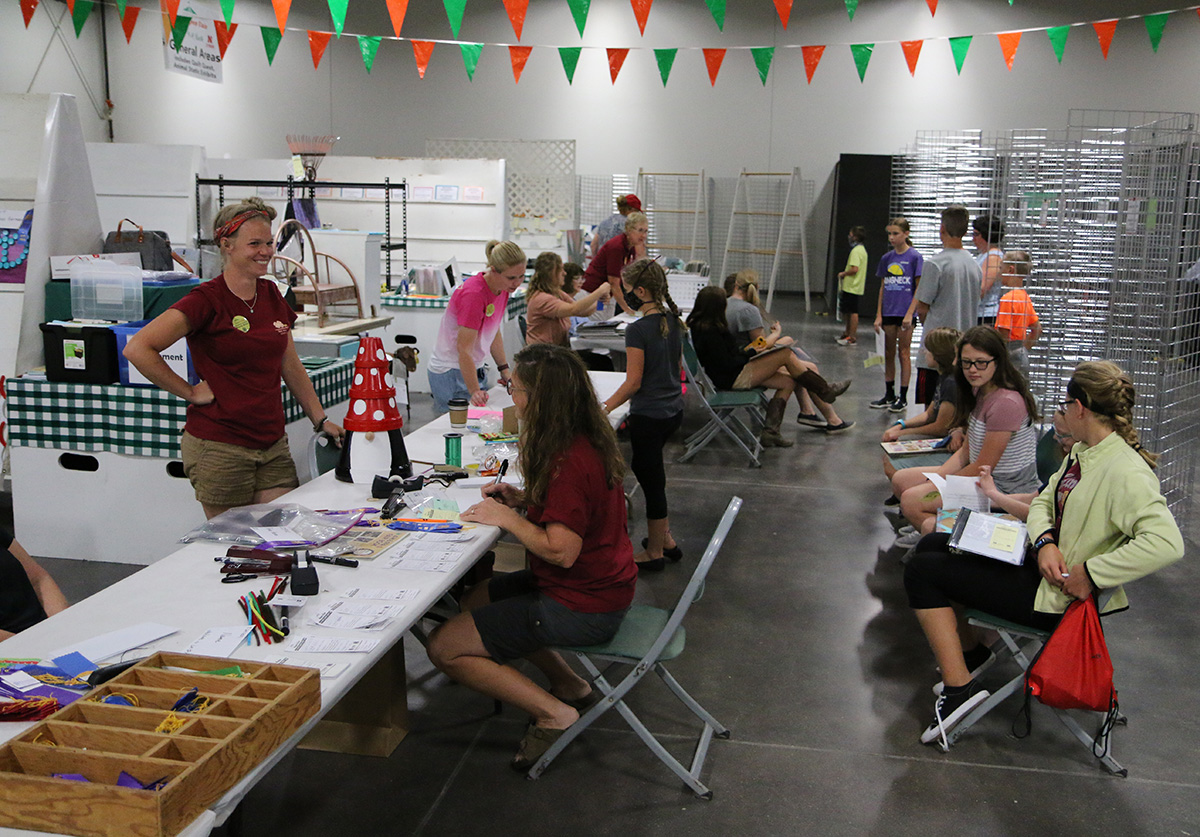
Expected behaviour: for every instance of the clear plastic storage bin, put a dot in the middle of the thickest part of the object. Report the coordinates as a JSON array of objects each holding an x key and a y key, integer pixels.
[{"x": 104, "y": 291}]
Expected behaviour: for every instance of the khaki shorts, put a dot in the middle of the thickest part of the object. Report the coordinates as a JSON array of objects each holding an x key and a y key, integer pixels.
[{"x": 229, "y": 475}]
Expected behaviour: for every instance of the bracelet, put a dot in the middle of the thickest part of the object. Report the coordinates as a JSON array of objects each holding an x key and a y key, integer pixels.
[
  {"x": 502, "y": 367},
  {"x": 1043, "y": 541},
  {"x": 317, "y": 425},
  {"x": 901, "y": 422}
]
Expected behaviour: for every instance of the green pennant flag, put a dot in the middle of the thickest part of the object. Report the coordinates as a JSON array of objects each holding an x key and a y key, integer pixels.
[
  {"x": 271, "y": 38},
  {"x": 717, "y": 7},
  {"x": 454, "y": 11},
  {"x": 337, "y": 10},
  {"x": 1058, "y": 39},
  {"x": 368, "y": 46},
  {"x": 226, "y": 9},
  {"x": 177, "y": 32},
  {"x": 1154, "y": 28},
  {"x": 851, "y": 8},
  {"x": 579, "y": 11},
  {"x": 666, "y": 60},
  {"x": 762, "y": 59},
  {"x": 862, "y": 57},
  {"x": 959, "y": 47},
  {"x": 570, "y": 58},
  {"x": 121, "y": 8},
  {"x": 470, "y": 54},
  {"x": 79, "y": 15}
]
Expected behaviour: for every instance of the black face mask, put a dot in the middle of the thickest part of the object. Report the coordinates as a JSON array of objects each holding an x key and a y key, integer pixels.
[{"x": 632, "y": 300}]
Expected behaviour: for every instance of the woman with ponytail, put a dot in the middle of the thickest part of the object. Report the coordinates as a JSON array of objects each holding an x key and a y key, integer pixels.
[{"x": 1101, "y": 522}]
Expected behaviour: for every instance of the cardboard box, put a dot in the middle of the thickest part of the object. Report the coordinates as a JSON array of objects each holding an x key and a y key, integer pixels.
[{"x": 60, "y": 266}]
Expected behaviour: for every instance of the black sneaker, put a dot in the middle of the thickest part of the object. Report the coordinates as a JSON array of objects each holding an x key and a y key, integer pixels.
[
  {"x": 891, "y": 501},
  {"x": 900, "y": 405},
  {"x": 978, "y": 661},
  {"x": 838, "y": 428},
  {"x": 882, "y": 403},
  {"x": 950, "y": 709}
]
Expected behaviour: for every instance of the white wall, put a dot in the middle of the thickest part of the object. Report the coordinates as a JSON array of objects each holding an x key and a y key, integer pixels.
[{"x": 636, "y": 122}]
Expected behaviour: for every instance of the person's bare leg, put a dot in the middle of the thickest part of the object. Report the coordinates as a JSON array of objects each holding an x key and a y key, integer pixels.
[{"x": 940, "y": 625}]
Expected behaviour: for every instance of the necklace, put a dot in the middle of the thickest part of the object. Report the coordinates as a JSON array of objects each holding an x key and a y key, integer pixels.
[{"x": 252, "y": 302}]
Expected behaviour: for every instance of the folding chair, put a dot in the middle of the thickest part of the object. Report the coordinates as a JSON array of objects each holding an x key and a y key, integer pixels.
[
  {"x": 722, "y": 407},
  {"x": 648, "y": 636},
  {"x": 1022, "y": 643}
]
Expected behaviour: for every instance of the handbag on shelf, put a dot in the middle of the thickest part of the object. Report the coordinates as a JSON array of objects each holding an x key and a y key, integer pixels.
[{"x": 154, "y": 246}]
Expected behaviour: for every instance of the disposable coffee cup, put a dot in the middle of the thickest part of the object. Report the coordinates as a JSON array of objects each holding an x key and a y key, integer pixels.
[{"x": 458, "y": 412}]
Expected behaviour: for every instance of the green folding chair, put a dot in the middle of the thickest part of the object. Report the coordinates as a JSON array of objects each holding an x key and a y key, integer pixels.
[
  {"x": 722, "y": 408},
  {"x": 648, "y": 637}
]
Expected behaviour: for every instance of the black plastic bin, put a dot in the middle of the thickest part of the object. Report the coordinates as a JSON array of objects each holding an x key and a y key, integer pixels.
[{"x": 80, "y": 354}]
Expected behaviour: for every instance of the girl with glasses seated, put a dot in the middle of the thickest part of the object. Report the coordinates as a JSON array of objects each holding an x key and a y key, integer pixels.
[{"x": 1000, "y": 415}]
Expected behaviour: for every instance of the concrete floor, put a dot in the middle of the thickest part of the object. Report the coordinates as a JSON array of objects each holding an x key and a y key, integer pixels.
[{"x": 805, "y": 648}]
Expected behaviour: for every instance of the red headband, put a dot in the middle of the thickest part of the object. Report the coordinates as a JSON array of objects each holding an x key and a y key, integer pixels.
[{"x": 235, "y": 223}]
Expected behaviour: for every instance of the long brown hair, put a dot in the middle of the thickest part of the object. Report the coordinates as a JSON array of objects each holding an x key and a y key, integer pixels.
[
  {"x": 553, "y": 377},
  {"x": 987, "y": 340},
  {"x": 1102, "y": 387},
  {"x": 544, "y": 268}
]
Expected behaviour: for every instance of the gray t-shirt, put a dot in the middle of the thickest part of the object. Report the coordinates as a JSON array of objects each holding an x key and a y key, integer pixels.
[
  {"x": 661, "y": 395},
  {"x": 950, "y": 287},
  {"x": 742, "y": 317}
]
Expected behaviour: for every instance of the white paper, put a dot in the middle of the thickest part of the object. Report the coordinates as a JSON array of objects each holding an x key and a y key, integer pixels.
[
  {"x": 277, "y": 534},
  {"x": 218, "y": 642},
  {"x": 356, "y": 616},
  {"x": 100, "y": 648},
  {"x": 289, "y": 601},
  {"x": 21, "y": 681},
  {"x": 960, "y": 492},
  {"x": 333, "y": 645},
  {"x": 329, "y": 671},
  {"x": 12, "y": 219},
  {"x": 423, "y": 564},
  {"x": 388, "y": 594}
]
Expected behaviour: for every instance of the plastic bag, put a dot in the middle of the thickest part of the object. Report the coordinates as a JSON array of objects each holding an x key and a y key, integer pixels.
[{"x": 282, "y": 526}]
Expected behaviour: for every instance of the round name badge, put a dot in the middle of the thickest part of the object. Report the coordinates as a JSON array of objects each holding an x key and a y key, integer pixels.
[
  {"x": 241, "y": 323},
  {"x": 491, "y": 309}
]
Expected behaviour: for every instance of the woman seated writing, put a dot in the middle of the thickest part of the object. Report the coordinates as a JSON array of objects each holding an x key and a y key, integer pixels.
[
  {"x": 731, "y": 366},
  {"x": 550, "y": 307},
  {"x": 581, "y": 577},
  {"x": 1101, "y": 522},
  {"x": 999, "y": 413}
]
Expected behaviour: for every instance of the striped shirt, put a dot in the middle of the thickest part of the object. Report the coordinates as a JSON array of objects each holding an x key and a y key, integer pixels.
[{"x": 1003, "y": 410}]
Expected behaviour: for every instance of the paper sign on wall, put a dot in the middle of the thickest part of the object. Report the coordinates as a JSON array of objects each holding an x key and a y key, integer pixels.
[{"x": 199, "y": 56}]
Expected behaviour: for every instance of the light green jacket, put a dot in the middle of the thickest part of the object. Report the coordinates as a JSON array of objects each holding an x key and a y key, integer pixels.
[{"x": 1115, "y": 519}]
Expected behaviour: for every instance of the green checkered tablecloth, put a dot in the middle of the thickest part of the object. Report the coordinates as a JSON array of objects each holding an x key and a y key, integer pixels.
[
  {"x": 139, "y": 421},
  {"x": 517, "y": 303}
]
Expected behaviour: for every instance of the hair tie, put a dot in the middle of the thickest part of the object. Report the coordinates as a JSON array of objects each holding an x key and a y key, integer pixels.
[
  {"x": 234, "y": 224},
  {"x": 1137, "y": 446}
]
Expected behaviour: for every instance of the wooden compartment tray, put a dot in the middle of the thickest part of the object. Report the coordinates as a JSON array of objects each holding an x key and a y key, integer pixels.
[{"x": 245, "y": 720}]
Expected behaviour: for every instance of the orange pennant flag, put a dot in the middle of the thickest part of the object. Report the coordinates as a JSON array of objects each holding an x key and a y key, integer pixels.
[
  {"x": 784, "y": 7},
  {"x": 641, "y": 10},
  {"x": 170, "y": 6},
  {"x": 713, "y": 58},
  {"x": 1105, "y": 30},
  {"x": 282, "y": 7},
  {"x": 932, "y": 7},
  {"x": 812, "y": 57},
  {"x": 70, "y": 8},
  {"x": 28, "y": 7},
  {"x": 518, "y": 55},
  {"x": 317, "y": 41},
  {"x": 224, "y": 34},
  {"x": 422, "y": 51},
  {"x": 397, "y": 9},
  {"x": 616, "y": 57},
  {"x": 1008, "y": 45},
  {"x": 912, "y": 51},
  {"x": 516, "y": 14},
  {"x": 128, "y": 22}
]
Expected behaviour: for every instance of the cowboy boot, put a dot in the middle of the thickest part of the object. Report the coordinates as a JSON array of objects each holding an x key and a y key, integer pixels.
[
  {"x": 770, "y": 436},
  {"x": 822, "y": 389}
]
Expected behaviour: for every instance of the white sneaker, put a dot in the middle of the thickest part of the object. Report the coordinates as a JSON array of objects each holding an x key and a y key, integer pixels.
[{"x": 908, "y": 539}]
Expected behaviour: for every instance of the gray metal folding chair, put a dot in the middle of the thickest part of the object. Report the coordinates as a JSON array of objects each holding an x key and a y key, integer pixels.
[
  {"x": 722, "y": 408},
  {"x": 648, "y": 637}
]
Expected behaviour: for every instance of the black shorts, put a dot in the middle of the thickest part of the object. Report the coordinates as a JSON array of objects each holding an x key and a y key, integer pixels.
[
  {"x": 893, "y": 321},
  {"x": 848, "y": 302},
  {"x": 927, "y": 381},
  {"x": 520, "y": 620}
]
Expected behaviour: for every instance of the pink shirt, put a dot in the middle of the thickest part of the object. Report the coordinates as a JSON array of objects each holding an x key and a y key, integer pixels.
[
  {"x": 473, "y": 305},
  {"x": 546, "y": 320}
]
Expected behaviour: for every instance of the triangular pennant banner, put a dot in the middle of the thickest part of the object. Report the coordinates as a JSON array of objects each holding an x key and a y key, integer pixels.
[
  {"x": 1105, "y": 29},
  {"x": 282, "y": 7},
  {"x": 172, "y": 9},
  {"x": 570, "y": 60},
  {"x": 422, "y": 52},
  {"x": 784, "y": 7},
  {"x": 177, "y": 32},
  {"x": 717, "y": 7},
  {"x": 454, "y": 11},
  {"x": 224, "y": 35},
  {"x": 70, "y": 6},
  {"x": 129, "y": 20},
  {"x": 762, "y": 60},
  {"x": 1154, "y": 28},
  {"x": 28, "y": 7},
  {"x": 912, "y": 51},
  {"x": 227, "y": 10},
  {"x": 121, "y": 8},
  {"x": 337, "y": 11},
  {"x": 470, "y": 55},
  {"x": 271, "y": 38},
  {"x": 851, "y": 8},
  {"x": 79, "y": 14},
  {"x": 713, "y": 58},
  {"x": 862, "y": 57},
  {"x": 641, "y": 11},
  {"x": 518, "y": 55},
  {"x": 317, "y": 41},
  {"x": 1009, "y": 41},
  {"x": 812, "y": 57},
  {"x": 397, "y": 9},
  {"x": 932, "y": 7},
  {"x": 516, "y": 15},
  {"x": 579, "y": 11},
  {"x": 666, "y": 60},
  {"x": 959, "y": 47},
  {"x": 1058, "y": 39},
  {"x": 616, "y": 58},
  {"x": 368, "y": 46}
]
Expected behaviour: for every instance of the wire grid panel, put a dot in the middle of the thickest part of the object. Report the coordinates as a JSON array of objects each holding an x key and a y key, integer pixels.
[
  {"x": 596, "y": 196},
  {"x": 754, "y": 224},
  {"x": 677, "y": 208},
  {"x": 540, "y": 174}
]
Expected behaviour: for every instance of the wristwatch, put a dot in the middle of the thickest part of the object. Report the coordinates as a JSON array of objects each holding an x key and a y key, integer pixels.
[{"x": 1045, "y": 539}]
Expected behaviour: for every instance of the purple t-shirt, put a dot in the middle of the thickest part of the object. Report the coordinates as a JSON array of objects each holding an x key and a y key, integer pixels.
[{"x": 899, "y": 273}]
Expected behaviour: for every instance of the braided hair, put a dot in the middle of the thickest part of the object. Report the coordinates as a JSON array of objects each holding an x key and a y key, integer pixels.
[
  {"x": 1105, "y": 389},
  {"x": 648, "y": 274}
]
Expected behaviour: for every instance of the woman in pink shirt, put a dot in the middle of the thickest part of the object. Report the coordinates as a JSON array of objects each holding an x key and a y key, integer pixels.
[{"x": 551, "y": 308}]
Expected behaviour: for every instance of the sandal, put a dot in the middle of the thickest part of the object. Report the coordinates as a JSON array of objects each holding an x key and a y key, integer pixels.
[{"x": 534, "y": 745}]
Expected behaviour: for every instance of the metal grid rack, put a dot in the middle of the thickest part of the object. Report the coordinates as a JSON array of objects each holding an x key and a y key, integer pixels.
[
  {"x": 596, "y": 197},
  {"x": 676, "y": 204}
]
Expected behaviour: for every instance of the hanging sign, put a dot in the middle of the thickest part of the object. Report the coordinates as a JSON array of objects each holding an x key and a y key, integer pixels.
[{"x": 198, "y": 54}]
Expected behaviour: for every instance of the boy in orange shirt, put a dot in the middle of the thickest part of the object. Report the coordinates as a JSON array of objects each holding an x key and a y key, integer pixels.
[{"x": 1017, "y": 322}]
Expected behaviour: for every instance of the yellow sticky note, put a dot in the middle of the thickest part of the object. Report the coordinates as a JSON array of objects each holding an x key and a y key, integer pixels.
[
  {"x": 873, "y": 360},
  {"x": 1004, "y": 538}
]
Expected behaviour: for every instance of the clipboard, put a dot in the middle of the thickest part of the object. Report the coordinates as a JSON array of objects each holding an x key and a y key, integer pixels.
[{"x": 990, "y": 536}]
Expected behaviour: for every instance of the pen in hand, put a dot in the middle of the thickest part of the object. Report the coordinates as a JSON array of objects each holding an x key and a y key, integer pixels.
[{"x": 500, "y": 472}]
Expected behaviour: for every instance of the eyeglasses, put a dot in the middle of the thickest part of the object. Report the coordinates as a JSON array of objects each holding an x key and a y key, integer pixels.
[
  {"x": 1062, "y": 408},
  {"x": 510, "y": 387},
  {"x": 976, "y": 364}
]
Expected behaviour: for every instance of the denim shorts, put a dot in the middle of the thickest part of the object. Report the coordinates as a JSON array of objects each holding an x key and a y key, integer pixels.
[
  {"x": 447, "y": 385},
  {"x": 520, "y": 620}
]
